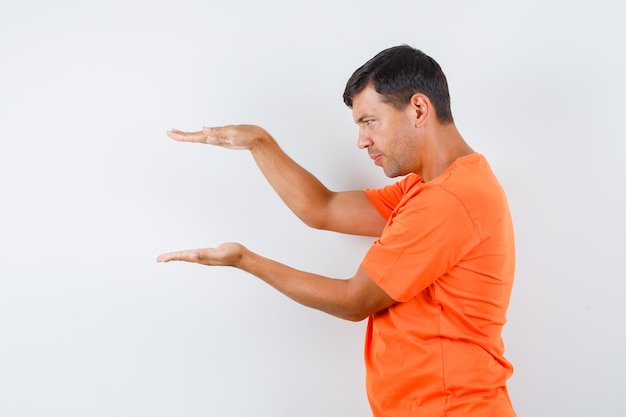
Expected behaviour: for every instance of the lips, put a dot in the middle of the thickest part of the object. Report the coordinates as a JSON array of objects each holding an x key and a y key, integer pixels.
[{"x": 376, "y": 158}]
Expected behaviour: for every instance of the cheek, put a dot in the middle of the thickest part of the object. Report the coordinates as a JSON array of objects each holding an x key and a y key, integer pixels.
[
  {"x": 404, "y": 149},
  {"x": 402, "y": 141}
]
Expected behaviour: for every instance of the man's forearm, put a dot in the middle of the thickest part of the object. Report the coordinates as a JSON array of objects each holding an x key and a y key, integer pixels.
[
  {"x": 330, "y": 295},
  {"x": 301, "y": 191}
]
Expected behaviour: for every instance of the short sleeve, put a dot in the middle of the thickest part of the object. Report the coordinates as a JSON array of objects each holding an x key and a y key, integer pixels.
[
  {"x": 424, "y": 238},
  {"x": 386, "y": 199}
]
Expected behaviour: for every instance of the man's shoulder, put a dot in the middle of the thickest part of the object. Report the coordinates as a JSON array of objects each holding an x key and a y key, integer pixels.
[
  {"x": 468, "y": 183},
  {"x": 469, "y": 175}
]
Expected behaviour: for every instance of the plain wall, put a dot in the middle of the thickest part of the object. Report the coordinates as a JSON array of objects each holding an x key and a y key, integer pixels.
[{"x": 92, "y": 191}]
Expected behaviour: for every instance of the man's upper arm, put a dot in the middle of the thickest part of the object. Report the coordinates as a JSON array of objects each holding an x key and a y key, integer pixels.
[
  {"x": 352, "y": 212},
  {"x": 367, "y": 296}
]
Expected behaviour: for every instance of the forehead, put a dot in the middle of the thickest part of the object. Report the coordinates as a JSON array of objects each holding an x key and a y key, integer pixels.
[{"x": 368, "y": 102}]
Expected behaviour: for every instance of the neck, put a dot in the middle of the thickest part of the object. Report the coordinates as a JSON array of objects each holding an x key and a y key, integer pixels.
[{"x": 443, "y": 146}]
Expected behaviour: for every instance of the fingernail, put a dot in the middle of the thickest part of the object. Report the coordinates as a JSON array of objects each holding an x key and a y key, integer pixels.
[
  {"x": 206, "y": 129},
  {"x": 193, "y": 255}
]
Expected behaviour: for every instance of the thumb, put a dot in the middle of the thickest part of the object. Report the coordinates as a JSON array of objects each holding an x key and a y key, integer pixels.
[
  {"x": 211, "y": 131},
  {"x": 216, "y": 133}
]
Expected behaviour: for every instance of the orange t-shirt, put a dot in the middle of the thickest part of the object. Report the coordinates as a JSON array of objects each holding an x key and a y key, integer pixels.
[{"x": 447, "y": 257}]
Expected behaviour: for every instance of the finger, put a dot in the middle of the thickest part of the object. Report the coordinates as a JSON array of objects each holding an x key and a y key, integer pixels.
[
  {"x": 195, "y": 137},
  {"x": 183, "y": 255},
  {"x": 226, "y": 136},
  {"x": 220, "y": 136}
]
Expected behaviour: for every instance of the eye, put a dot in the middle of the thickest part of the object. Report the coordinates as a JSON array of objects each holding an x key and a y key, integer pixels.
[{"x": 368, "y": 122}]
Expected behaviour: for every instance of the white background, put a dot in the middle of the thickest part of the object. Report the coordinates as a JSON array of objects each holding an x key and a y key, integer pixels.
[{"x": 92, "y": 191}]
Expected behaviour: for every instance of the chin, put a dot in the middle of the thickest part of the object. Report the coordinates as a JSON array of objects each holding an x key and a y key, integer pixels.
[{"x": 393, "y": 173}]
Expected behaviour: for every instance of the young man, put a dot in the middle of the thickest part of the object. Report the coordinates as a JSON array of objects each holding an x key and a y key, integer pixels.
[{"x": 436, "y": 284}]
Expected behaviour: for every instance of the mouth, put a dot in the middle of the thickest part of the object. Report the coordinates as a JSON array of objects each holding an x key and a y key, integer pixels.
[{"x": 377, "y": 158}]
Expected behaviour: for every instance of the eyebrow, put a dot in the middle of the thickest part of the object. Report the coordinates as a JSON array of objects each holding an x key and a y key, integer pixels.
[{"x": 362, "y": 118}]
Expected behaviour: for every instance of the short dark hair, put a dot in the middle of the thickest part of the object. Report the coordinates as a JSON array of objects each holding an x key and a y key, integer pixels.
[{"x": 399, "y": 72}]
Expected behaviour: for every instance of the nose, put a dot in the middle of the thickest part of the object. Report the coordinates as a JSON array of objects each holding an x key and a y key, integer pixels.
[{"x": 363, "y": 141}]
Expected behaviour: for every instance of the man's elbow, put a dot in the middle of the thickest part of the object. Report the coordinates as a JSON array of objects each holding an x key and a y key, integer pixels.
[
  {"x": 314, "y": 221},
  {"x": 356, "y": 313},
  {"x": 356, "y": 317}
]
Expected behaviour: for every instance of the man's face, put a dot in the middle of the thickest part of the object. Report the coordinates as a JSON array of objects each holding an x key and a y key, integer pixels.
[{"x": 387, "y": 133}]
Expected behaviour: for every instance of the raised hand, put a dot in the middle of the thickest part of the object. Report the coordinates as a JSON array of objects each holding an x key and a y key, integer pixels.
[
  {"x": 226, "y": 254},
  {"x": 231, "y": 137}
]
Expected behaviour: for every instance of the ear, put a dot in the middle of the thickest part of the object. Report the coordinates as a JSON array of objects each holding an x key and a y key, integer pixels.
[{"x": 420, "y": 108}]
